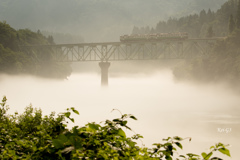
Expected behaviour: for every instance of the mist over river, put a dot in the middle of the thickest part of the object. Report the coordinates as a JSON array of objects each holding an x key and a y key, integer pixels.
[{"x": 164, "y": 107}]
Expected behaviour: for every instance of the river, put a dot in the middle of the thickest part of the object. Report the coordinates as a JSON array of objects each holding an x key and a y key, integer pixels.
[{"x": 164, "y": 107}]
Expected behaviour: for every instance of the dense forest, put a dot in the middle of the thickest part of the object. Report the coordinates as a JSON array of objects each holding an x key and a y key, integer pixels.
[
  {"x": 224, "y": 61},
  {"x": 223, "y": 64},
  {"x": 14, "y": 61},
  {"x": 197, "y": 25}
]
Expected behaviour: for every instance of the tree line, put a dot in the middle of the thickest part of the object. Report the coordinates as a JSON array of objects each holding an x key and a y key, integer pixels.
[
  {"x": 223, "y": 62},
  {"x": 15, "y": 61},
  {"x": 199, "y": 25}
]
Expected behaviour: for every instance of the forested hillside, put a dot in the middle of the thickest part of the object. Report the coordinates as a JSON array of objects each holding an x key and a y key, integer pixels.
[
  {"x": 101, "y": 20},
  {"x": 13, "y": 61},
  {"x": 198, "y": 24},
  {"x": 223, "y": 63}
]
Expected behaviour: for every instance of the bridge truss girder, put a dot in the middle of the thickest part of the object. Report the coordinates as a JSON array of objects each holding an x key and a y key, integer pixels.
[{"x": 119, "y": 51}]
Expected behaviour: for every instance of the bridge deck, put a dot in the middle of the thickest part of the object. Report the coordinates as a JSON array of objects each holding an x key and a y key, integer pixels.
[
  {"x": 116, "y": 51},
  {"x": 131, "y": 42}
]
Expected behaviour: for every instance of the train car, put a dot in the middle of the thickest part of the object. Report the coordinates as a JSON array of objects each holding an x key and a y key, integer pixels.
[{"x": 153, "y": 37}]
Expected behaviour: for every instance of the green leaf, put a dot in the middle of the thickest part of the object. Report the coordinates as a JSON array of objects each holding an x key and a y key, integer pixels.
[
  {"x": 76, "y": 141},
  {"x": 62, "y": 138},
  {"x": 167, "y": 144},
  {"x": 177, "y": 138},
  {"x": 224, "y": 151},
  {"x": 133, "y": 117},
  {"x": 132, "y": 144},
  {"x": 158, "y": 145},
  {"x": 212, "y": 147},
  {"x": 124, "y": 116},
  {"x": 208, "y": 156},
  {"x": 57, "y": 143},
  {"x": 72, "y": 119},
  {"x": 167, "y": 139},
  {"x": 123, "y": 123},
  {"x": 220, "y": 145},
  {"x": 192, "y": 155},
  {"x": 75, "y": 130},
  {"x": 179, "y": 145},
  {"x": 116, "y": 120},
  {"x": 204, "y": 154},
  {"x": 121, "y": 133},
  {"x": 93, "y": 126},
  {"x": 216, "y": 158},
  {"x": 168, "y": 157},
  {"x": 67, "y": 114},
  {"x": 74, "y": 110}
]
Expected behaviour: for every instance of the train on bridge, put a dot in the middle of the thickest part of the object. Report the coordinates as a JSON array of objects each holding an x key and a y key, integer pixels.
[{"x": 154, "y": 37}]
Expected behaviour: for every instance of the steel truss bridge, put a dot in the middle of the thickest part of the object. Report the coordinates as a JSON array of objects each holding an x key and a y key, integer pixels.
[{"x": 121, "y": 51}]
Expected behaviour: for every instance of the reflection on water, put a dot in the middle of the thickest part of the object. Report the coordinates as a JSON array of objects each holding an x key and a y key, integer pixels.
[{"x": 208, "y": 114}]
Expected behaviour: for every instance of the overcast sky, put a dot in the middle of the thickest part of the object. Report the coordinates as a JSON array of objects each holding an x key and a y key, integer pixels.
[{"x": 97, "y": 20}]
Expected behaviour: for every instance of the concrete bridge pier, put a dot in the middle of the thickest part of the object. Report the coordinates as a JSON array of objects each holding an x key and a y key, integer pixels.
[{"x": 104, "y": 72}]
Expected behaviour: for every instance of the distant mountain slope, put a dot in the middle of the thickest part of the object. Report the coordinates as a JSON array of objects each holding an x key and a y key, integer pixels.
[
  {"x": 206, "y": 23},
  {"x": 96, "y": 20}
]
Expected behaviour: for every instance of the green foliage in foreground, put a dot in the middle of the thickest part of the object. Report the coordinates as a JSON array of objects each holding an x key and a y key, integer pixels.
[{"x": 32, "y": 136}]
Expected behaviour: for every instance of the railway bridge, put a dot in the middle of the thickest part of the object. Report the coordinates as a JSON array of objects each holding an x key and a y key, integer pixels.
[{"x": 124, "y": 51}]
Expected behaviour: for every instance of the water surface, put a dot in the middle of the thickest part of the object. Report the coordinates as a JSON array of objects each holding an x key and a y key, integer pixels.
[{"x": 206, "y": 113}]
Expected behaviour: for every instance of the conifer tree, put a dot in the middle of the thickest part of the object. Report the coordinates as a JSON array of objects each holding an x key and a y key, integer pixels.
[
  {"x": 231, "y": 24},
  {"x": 203, "y": 16},
  {"x": 210, "y": 32},
  {"x": 147, "y": 30},
  {"x": 50, "y": 39},
  {"x": 152, "y": 30},
  {"x": 210, "y": 15},
  {"x": 135, "y": 30},
  {"x": 238, "y": 15}
]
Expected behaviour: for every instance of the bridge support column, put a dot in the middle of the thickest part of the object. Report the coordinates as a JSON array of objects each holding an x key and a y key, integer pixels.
[{"x": 104, "y": 72}]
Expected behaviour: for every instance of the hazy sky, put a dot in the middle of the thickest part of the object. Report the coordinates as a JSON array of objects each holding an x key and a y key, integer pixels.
[{"x": 97, "y": 20}]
